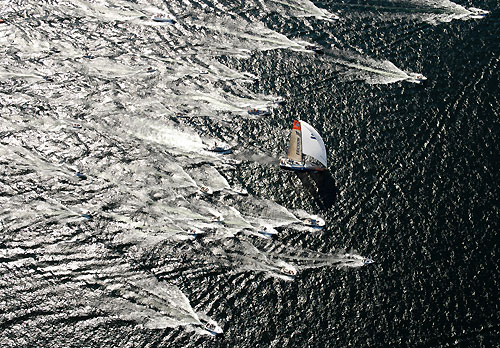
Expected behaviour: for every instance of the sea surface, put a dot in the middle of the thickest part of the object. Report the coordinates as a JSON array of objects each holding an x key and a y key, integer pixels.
[{"x": 105, "y": 121}]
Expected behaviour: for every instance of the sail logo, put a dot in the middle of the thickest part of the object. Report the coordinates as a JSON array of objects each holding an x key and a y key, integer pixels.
[{"x": 298, "y": 150}]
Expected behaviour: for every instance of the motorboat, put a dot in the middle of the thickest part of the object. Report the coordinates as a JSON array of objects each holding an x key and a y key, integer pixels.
[
  {"x": 81, "y": 176},
  {"x": 162, "y": 18},
  {"x": 289, "y": 271},
  {"x": 304, "y": 140},
  {"x": 259, "y": 112},
  {"x": 217, "y": 219},
  {"x": 364, "y": 260},
  {"x": 477, "y": 13},
  {"x": 315, "y": 222},
  {"x": 416, "y": 78},
  {"x": 87, "y": 216},
  {"x": 206, "y": 190},
  {"x": 223, "y": 149},
  {"x": 77, "y": 126},
  {"x": 240, "y": 190},
  {"x": 367, "y": 261},
  {"x": 331, "y": 17},
  {"x": 196, "y": 232},
  {"x": 315, "y": 49},
  {"x": 279, "y": 101},
  {"x": 267, "y": 232},
  {"x": 212, "y": 327},
  {"x": 232, "y": 161}
]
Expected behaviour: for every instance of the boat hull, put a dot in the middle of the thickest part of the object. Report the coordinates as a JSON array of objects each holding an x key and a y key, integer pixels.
[
  {"x": 314, "y": 223},
  {"x": 267, "y": 235},
  {"x": 259, "y": 112},
  {"x": 221, "y": 151},
  {"x": 160, "y": 19},
  {"x": 301, "y": 168},
  {"x": 291, "y": 273}
]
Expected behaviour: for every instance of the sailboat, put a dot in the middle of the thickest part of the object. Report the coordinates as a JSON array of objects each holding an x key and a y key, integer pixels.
[{"x": 304, "y": 140}]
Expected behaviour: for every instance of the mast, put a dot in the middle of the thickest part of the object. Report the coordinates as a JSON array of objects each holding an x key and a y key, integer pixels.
[{"x": 295, "y": 147}]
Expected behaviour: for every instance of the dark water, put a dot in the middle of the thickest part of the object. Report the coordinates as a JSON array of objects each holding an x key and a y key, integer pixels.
[{"x": 412, "y": 180}]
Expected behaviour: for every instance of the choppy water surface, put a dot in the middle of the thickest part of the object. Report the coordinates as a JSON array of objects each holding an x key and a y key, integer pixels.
[{"x": 107, "y": 257}]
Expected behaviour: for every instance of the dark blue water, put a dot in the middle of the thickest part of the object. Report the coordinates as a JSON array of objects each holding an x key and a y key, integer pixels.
[{"x": 412, "y": 180}]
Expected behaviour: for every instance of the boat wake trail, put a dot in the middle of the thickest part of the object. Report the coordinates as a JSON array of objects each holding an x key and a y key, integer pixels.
[
  {"x": 430, "y": 11},
  {"x": 371, "y": 70},
  {"x": 443, "y": 11},
  {"x": 306, "y": 9},
  {"x": 274, "y": 259},
  {"x": 309, "y": 259},
  {"x": 89, "y": 281}
]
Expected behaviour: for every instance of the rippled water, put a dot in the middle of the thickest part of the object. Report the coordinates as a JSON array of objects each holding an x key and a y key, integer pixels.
[{"x": 107, "y": 257}]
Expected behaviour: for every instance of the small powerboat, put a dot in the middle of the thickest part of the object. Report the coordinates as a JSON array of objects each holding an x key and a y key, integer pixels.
[
  {"x": 81, "y": 176},
  {"x": 240, "y": 190},
  {"x": 477, "y": 13},
  {"x": 367, "y": 261},
  {"x": 332, "y": 17},
  {"x": 232, "y": 161},
  {"x": 196, "y": 233},
  {"x": 87, "y": 216},
  {"x": 315, "y": 222},
  {"x": 289, "y": 271},
  {"x": 279, "y": 101},
  {"x": 217, "y": 219},
  {"x": 212, "y": 327},
  {"x": 315, "y": 49},
  {"x": 223, "y": 149},
  {"x": 267, "y": 232},
  {"x": 206, "y": 190},
  {"x": 77, "y": 126},
  {"x": 162, "y": 18},
  {"x": 416, "y": 78},
  {"x": 259, "y": 112}
]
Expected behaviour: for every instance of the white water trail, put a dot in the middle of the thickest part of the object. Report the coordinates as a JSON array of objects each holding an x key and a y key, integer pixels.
[
  {"x": 305, "y": 8},
  {"x": 371, "y": 70}
]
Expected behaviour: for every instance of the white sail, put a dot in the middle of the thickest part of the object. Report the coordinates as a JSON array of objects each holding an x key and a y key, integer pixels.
[{"x": 312, "y": 144}]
